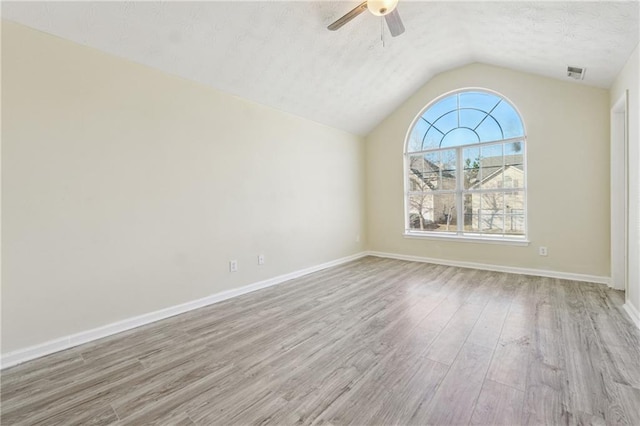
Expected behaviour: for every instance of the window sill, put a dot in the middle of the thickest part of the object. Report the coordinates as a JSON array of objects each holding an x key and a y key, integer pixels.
[{"x": 467, "y": 239}]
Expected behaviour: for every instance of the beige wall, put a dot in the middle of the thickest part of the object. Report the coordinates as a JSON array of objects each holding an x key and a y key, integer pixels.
[
  {"x": 126, "y": 190},
  {"x": 567, "y": 127},
  {"x": 629, "y": 79}
]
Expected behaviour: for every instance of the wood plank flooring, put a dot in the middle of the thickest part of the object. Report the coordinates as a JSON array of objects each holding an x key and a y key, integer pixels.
[{"x": 372, "y": 342}]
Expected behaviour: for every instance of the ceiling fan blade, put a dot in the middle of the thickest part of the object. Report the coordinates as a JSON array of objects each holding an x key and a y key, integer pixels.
[
  {"x": 348, "y": 17},
  {"x": 396, "y": 27}
]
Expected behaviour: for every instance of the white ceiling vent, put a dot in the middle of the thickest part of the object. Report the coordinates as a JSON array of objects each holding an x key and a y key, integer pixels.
[{"x": 576, "y": 73}]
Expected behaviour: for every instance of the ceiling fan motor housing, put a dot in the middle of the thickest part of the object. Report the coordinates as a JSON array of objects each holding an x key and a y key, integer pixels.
[
  {"x": 381, "y": 7},
  {"x": 386, "y": 8}
]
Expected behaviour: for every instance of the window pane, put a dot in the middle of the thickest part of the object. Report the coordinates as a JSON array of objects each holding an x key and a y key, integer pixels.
[
  {"x": 433, "y": 171},
  {"x": 514, "y": 160},
  {"x": 514, "y": 224},
  {"x": 513, "y": 177},
  {"x": 432, "y": 161},
  {"x": 421, "y": 174},
  {"x": 472, "y": 224},
  {"x": 472, "y": 212},
  {"x": 417, "y": 134},
  {"x": 471, "y": 159},
  {"x": 491, "y": 166},
  {"x": 514, "y": 202},
  {"x": 514, "y": 166},
  {"x": 481, "y": 100},
  {"x": 447, "y": 122},
  {"x": 459, "y": 136},
  {"x": 444, "y": 210},
  {"x": 492, "y": 213},
  {"x": 514, "y": 212},
  {"x": 471, "y": 118},
  {"x": 448, "y": 162},
  {"x": 484, "y": 212},
  {"x": 489, "y": 130},
  {"x": 416, "y": 163},
  {"x": 421, "y": 212},
  {"x": 433, "y": 212},
  {"x": 417, "y": 182},
  {"x": 514, "y": 152},
  {"x": 509, "y": 120},
  {"x": 432, "y": 181},
  {"x": 450, "y": 103},
  {"x": 432, "y": 139}
]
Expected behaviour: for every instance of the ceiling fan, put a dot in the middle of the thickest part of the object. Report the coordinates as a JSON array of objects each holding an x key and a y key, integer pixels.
[{"x": 386, "y": 8}]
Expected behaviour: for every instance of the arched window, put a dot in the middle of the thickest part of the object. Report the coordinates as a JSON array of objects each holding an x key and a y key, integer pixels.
[{"x": 465, "y": 168}]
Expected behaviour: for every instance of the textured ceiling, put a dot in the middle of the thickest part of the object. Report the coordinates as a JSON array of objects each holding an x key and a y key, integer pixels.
[{"x": 280, "y": 53}]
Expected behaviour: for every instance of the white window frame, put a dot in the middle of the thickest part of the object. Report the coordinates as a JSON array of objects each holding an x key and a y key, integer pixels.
[{"x": 459, "y": 234}]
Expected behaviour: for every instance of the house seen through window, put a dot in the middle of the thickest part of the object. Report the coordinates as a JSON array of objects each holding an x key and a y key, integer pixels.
[{"x": 465, "y": 168}]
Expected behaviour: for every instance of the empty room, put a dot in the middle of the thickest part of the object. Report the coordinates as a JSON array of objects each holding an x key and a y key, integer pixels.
[{"x": 388, "y": 212}]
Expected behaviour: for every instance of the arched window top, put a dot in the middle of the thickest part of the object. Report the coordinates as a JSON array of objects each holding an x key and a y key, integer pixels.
[{"x": 464, "y": 118}]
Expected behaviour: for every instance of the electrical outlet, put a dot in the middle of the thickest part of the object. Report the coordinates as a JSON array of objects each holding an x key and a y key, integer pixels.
[
  {"x": 542, "y": 251},
  {"x": 233, "y": 266},
  {"x": 261, "y": 259},
  {"x": 357, "y": 238}
]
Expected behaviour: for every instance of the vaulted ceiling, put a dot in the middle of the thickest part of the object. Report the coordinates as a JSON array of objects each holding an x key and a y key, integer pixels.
[{"x": 280, "y": 53}]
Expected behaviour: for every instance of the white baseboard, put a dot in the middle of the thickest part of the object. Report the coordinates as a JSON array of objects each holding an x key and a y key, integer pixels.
[
  {"x": 16, "y": 357},
  {"x": 633, "y": 313},
  {"x": 21, "y": 355},
  {"x": 497, "y": 268}
]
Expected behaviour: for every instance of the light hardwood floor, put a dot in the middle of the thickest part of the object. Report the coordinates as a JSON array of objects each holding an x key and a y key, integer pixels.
[{"x": 372, "y": 342}]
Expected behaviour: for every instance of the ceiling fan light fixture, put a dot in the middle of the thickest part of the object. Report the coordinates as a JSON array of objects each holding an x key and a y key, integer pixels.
[{"x": 381, "y": 7}]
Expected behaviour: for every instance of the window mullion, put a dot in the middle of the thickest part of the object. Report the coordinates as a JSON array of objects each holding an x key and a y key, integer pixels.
[
  {"x": 472, "y": 145},
  {"x": 459, "y": 190},
  {"x": 504, "y": 193}
]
